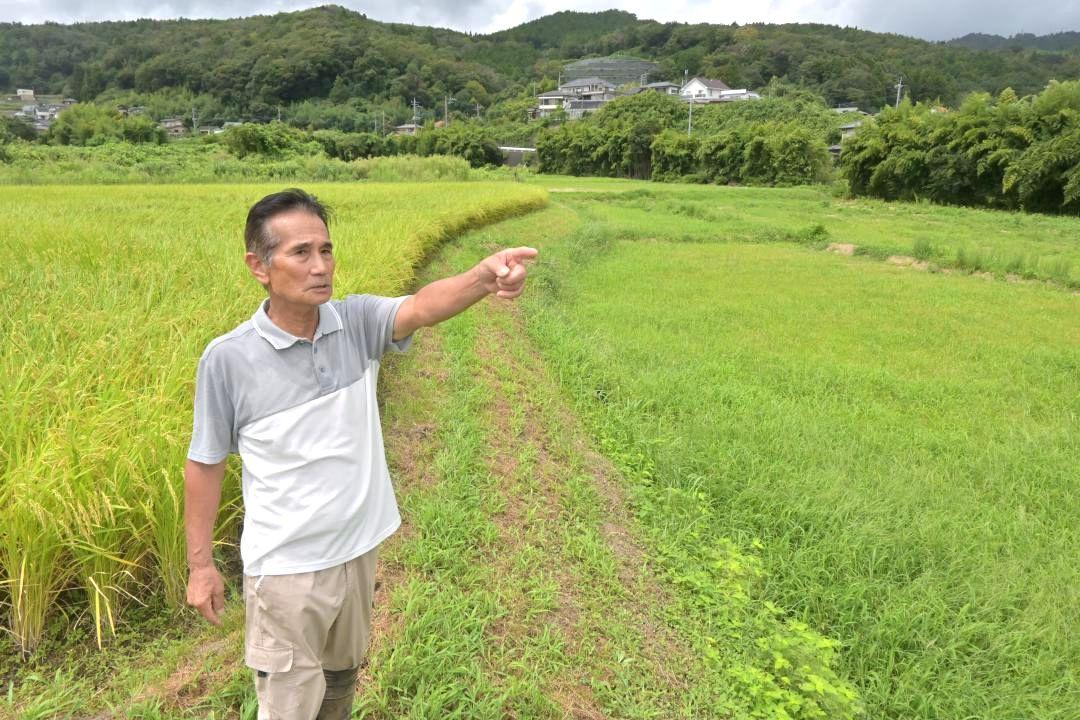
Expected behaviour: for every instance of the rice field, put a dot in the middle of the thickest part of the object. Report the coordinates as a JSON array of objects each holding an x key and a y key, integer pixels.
[
  {"x": 107, "y": 297},
  {"x": 899, "y": 448},
  {"x": 855, "y": 482}
]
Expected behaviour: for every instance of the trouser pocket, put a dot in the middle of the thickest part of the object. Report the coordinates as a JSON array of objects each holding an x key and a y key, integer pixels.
[{"x": 264, "y": 660}]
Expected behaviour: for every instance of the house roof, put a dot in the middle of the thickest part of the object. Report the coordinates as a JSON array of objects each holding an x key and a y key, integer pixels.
[
  {"x": 711, "y": 84},
  {"x": 553, "y": 94},
  {"x": 588, "y": 81},
  {"x": 661, "y": 85}
]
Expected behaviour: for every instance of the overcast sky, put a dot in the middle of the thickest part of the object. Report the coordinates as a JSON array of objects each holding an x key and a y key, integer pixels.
[{"x": 930, "y": 19}]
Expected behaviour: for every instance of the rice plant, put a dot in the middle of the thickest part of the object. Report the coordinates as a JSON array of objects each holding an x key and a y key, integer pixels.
[{"x": 109, "y": 295}]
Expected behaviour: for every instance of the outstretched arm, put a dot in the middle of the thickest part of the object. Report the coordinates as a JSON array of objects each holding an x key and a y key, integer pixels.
[{"x": 502, "y": 274}]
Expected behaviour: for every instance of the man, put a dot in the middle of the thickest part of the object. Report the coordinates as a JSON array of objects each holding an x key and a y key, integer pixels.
[{"x": 292, "y": 390}]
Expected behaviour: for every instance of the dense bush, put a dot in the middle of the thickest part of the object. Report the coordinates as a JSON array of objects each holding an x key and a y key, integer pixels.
[
  {"x": 471, "y": 142},
  {"x": 273, "y": 140},
  {"x": 278, "y": 140},
  {"x": 353, "y": 146},
  {"x": 674, "y": 155},
  {"x": 1003, "y": 152},
  {"x": 13, "y": 127},
  {"x": 644, "y": 136},
  {"x": 202, "y": 161},
  {"x": 91, "y": 124}
]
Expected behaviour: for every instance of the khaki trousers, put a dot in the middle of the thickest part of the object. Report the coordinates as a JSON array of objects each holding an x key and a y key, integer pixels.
[{"x": 305, "y": 629}]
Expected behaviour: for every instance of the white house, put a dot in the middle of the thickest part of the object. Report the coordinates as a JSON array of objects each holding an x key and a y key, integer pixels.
[
  {"x": 701, "y": 89},
  {"x": 25, "y": 95}
]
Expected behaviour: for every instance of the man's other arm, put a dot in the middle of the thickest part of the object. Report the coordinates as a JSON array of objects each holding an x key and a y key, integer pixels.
[
  {"x": 502, "y": 274},
  {"x": 202, "y": 497}
]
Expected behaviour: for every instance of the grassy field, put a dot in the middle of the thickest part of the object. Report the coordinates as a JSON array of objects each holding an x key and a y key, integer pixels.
[
  {"x": 899, "y": 447},
  {"x": 703, "y": 469},
  {"x": 1016, "y": 246},
  {"x": 108, "y": 297}
]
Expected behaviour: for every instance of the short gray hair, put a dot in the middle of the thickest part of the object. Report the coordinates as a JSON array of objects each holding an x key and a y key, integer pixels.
[{"x": 257, "y": 237}]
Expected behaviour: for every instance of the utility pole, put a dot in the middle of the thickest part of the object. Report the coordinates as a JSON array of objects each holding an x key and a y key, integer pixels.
[
  {"x": 446, "y": 109},
  {"x": 690, "y": 122},
  {"x": 477, "y": 111},
  {"x": 899, "y": 89},
  {"x": 415, "y": 110},
  {"x": 194, "y": 122},
  {"x": 279, "y": 113}
]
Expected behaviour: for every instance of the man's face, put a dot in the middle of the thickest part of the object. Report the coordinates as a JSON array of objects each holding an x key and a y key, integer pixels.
[{"x": 302, "y": 266}]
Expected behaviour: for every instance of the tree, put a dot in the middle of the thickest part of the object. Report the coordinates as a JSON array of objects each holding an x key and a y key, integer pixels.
[
  {"x": 16, "y": 128},
  {"x": 674, "y": 155},
  {"x": 84, "y": 124},
  {"x": 273, "y": 140},
  {"x": 341, "y": 91}
]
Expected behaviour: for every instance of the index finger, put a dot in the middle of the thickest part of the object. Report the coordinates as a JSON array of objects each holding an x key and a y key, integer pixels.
[{"x": 519, "y": 254}]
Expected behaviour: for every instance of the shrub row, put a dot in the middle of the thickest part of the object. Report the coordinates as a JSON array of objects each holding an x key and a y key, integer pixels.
[
  {"x": 646, "y": 137},
  {"x": 1005, "y": 152}
]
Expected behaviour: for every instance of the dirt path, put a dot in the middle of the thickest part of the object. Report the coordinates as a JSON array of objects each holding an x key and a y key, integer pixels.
[{"x": 562, "y": 524}]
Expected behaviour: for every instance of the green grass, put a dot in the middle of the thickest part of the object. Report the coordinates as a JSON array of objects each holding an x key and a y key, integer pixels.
[
  {"x": 1027, "y": 246},
  {"x": 902, "y": 446}
]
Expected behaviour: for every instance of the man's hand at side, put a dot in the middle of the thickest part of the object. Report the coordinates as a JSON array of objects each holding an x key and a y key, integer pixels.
[
  {"x": 502, "y": 274},
  {"x": 206, "y": 592},
  {"x": 202, "y": 496}
]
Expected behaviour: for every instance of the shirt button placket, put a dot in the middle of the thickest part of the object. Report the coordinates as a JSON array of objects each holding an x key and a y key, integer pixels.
[{"x": 324, "y": 380}]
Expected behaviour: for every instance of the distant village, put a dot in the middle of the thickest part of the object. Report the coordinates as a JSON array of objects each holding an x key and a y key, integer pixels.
[
  {"x": 584, "y": 87},
  {"x": 35, "y": 111},
  {"x": 593, "y": 83}
]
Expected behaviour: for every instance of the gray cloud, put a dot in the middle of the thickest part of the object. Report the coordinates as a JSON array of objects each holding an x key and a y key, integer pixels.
[
  {"x": 931, "y": 19},
  {"x": 937, "y": 20}
]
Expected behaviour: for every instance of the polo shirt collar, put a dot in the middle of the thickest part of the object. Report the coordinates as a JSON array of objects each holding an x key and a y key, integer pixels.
[{"x": 329, "y": 322}]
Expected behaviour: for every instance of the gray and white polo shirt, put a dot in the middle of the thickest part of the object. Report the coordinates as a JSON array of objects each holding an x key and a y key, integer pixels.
[{"x": 304, "y": 418}]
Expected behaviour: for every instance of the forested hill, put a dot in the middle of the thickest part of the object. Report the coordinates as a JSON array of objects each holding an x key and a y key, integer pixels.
[
  {"x": 248, "y": 67},
  {"x": 1055, "y": 42}
]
